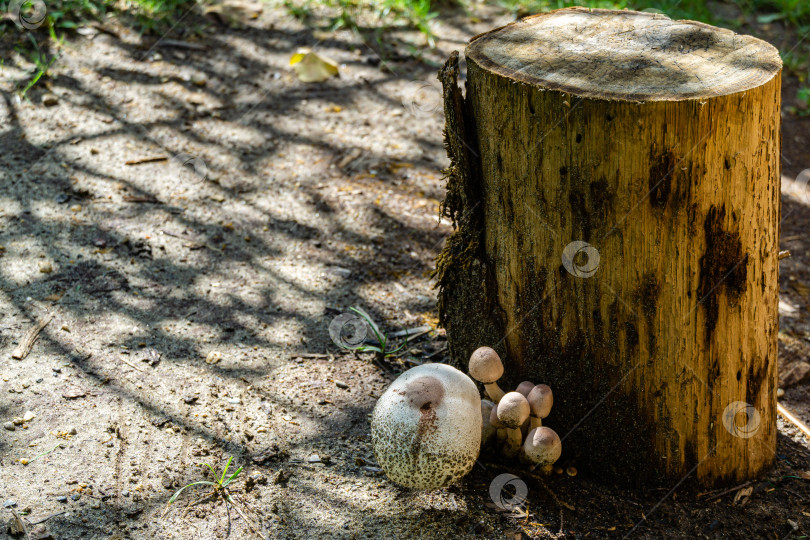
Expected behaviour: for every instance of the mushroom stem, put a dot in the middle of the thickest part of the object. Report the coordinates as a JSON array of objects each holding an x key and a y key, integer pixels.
[
  {"x": 535, "y": 422},
  {"x": 512, "y": 411},
  {"x": 511, "y": 446},
  {"x": 494, "y": 391},
  {"x": 487, "y": 429},
  {"x": 500, "y": 431}
]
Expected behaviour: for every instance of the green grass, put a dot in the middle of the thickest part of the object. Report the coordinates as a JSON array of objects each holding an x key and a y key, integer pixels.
[
  {"x": 220, "y": 490},
  {"x": 381, "y": 14},
  {"x": 41, "y": 46},
  {"x": 220, "y": 484},
  {"x": 146, "y": 14},
  {"x": 69, "y": 14},
  {"x": 382, "y": 351}
]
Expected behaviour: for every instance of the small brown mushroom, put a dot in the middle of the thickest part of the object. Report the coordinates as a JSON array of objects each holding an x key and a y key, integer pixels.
[
  {"x": 486, "y": 367},
  {"x": 540, "y": 400},
  {"x": 542, "y": 447},
  {"x": 513, "y": 409},
  {"x": 500, "y": 429},
  {"x": 524, "y": 388}
]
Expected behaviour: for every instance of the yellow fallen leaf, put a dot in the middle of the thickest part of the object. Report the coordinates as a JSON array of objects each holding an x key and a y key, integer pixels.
[
  {"x": 231, "y": 12},
  {"x": 311, "y": 67}
]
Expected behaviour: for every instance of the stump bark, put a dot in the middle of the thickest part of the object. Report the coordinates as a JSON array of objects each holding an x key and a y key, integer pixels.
[{"x": 614, "y": 187}]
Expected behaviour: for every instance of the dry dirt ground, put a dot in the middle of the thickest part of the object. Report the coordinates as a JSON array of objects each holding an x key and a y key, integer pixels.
[{"x": 300, "y": 200}]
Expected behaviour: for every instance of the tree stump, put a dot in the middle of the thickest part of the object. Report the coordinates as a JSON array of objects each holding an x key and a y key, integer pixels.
[{"x": 615, "y": 191}]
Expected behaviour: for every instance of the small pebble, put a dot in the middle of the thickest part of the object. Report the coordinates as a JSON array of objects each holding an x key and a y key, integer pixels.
[
  {"x": 17, "y": 420},
  {"x": 125, "y": 493},
  {"x": 61, "y": 498},
  {"x": 234, "y": 401},
  {"x": 571, "y": 471},
  {"x": 314, "y": 458},
  {"x": 76, "y": 208},
  {"x": 9, "y": 426},
  {"x": 72, "y": 430},
  {"x": 8, "y": 503},
  {"x": 341, "y": 384},
  {"x": 62, "y": 198},
  {"x": 199, "y": 79},
  {"x": 213, "y": 357},
  {"x": 49, "y": 100},
  {"x": 45, "y": 267},
  {"x": 24, "y": 461},
  {"x": 28, "y": 416},
  {"x": 780, "y": 392}
]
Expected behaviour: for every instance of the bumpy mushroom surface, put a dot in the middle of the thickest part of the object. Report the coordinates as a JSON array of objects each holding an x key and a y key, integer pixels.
[
  {"x": 541, "y": 447},
  {"x": 426, "y": 427},
  {"x": 513, "y": 410},
  {"x": 486, "y": 367},
  {"x": 540, "y": 400}
]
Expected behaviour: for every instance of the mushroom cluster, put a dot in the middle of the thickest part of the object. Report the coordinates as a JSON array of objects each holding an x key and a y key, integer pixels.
[{"x": 513, "y": 421}]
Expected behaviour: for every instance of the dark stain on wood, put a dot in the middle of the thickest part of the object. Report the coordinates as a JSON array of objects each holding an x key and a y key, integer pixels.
[
  {"x": 757, "y": 373},
  {"x": 601, "y": 199},
  {"x": 580, "y": 213},
  {"x": 589, "y": 354},
  {"x": 647, "y": 297},
  {"x": 630, "y": 335},
  {"x": 662, "y": 169},
  {"x": 723, "y": 267}
]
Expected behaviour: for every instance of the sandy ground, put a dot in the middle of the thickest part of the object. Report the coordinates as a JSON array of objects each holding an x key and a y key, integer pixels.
[{"x": 191, "y": 303}]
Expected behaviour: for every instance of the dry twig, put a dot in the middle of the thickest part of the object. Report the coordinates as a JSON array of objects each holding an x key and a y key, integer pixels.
[
  {"x": 152, "y": 159},
  {"x": 787, "y": 415},
  {"x": 133, "y": 366},
  {"x": 30, "y": 337}
]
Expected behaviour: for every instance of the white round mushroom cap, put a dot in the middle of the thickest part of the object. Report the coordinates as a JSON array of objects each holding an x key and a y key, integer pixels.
[
  {"x": 485, "y": 365},
  {"x": 542, "y": 446},
  {"x": 426, "y": 427},
  {"x": 513, "y": 410}
]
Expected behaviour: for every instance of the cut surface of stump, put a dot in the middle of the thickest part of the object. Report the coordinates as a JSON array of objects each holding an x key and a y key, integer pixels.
[
  {"x": 615, "y": 182},
  {"x": 626, "y": 55}
]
